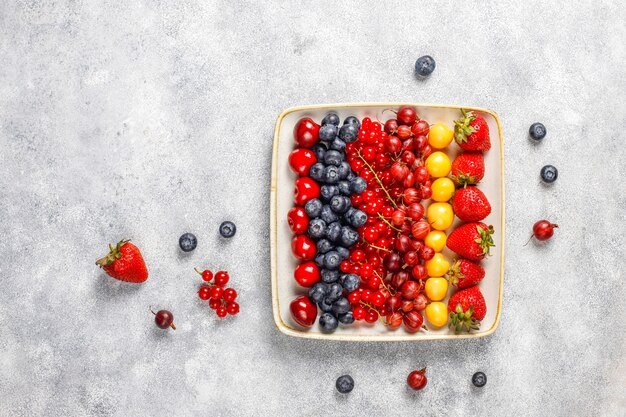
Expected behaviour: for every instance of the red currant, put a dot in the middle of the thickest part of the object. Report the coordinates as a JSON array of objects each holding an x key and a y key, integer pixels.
[
  {"x": 230, "y": 294},
  {"x": 221, "y": 312},
  {"x": 221, "y": 278},
  {"x": 204, "y": 292},
  {"x": 359, "y": 313},
  {"x": 207, "y": 275},
  {"x": 214, "y": 303},
  {"x": 217, "y": 292},
  {"x": 345, "y": 266},
  {"x": 357, "y": 256},
  {"x": 354, "y": 297},
  {"x": 371, "y": 316},
  {"x": 232, "y": 308}
]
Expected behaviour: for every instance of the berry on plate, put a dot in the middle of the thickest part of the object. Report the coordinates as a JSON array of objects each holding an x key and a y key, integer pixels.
[
  {"x": 301, "y": 160},
  {"x": 471, "y": 132},
  {"x": 440, "y": 136},
  {"x": 467, "y": 308},
  {"x": 124, "y": 262},
  {"x": 471, "y": 240},
  {"x": 303, "y": 311},
  {"x": 464, "y": 274},
  {"x": 437, "y": 313},
  {"x": 468, "y": 168},
  {"x": 470, "y": 204},
  {"x": 306, "y": 132}
]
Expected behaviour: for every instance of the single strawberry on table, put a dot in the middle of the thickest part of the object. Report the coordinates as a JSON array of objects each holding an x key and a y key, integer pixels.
[
  {"x": 464, "y": 274},
  {"x": 467, "y": 308},
  {"x": 468, "y": 168},
  {"x": 124, "y": 262},
  {"x": 470, "y": 204},
  {"x": 471, "y": 132},
  {"x": 471, "y": 240}
]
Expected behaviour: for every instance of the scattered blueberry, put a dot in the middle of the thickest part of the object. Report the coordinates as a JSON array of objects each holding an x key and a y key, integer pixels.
[
  {"x": 320, "y": 150},
  {"x": 228, "y": 229},
  {"x": 328, "y": 215},
  {"x": 331, "y": 118},
  {"x": 313, "y": 208},
  {"x": 549, "y": 174},
  {"x": 347, "y": 318},
  {"x": 351, "y": 120},
  {"x": 344, "y": 253},
  {"x": 331, "y": 174},
  {"x": 344, "y": 384},
  {"x": 348, "y": 132},
  {"x": 340, "y": 203},
  {"x": 358, "y": 218},
  {"x": 537, "y": 131},
  {"x": 333, "y": 231},
  {"x": 317, "y": 292},
  {"x": 344, "y": 188},
  {"x": 424, "y": 66},
  {"x": 338, "y": 145},
  {"x": 328, "y": 322},
  {"x": 328, "y": 191},
  {"x": 188, "y": 242},
  {"x": 328, "y": 276},
  {"x": 328, "y": 132},
  {"x": 357, "y": 185},
  {"x": 344, "y": 170},
  {"x": 479, "y": 379},
  {"x": 323, "y": 246},
  {"x": 334, "y": 292},
  {"x": 317, "y": 172},
  {"x": 349, "y": 237},
  {"x": 333, "y": 157},
  {"x": 317, "y": 229},
  {"x": 350, "y": 281},
  {"x": 341, "y": 306},
  {"x": 332, "y": 259},
  {"x": 325, "y": 305}
]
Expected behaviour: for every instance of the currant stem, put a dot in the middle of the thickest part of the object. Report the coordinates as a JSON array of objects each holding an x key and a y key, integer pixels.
[
  {"x": 376, "y": 247},
  {"x": 377, "y": 179},
  {"x": 383, "y": 218}
]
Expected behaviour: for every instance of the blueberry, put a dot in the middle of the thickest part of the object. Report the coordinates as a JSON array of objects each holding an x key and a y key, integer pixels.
[
  {"x": 424, "y": 66},
  {"x": 338, "y": 145},
  {"x": 317, "y": 172},
  {"x": 320, "y": 150},
  {"x": 344, "y": 253},
  {"x": 333, "y": 157},
  {"x": 349, "y": 237},
  {"x": 348, "y": 214},
  {"x": 328, "y": 322},
  {"x": 334, "y": 292},
  {"x": 331, "y": 174},
  {"x": 344, "y": 188},
  {"x": 549, "y": 174},
  {"x": 351, "y": 176},
  {"x": 332, "y": 260},
  {"x": 317, "y": 292},
  {"x": 319, "y": 260},
  {"x": 324, "y": 246},
  {"x": 479, "y": 379},
  {"x": 328, "y": 191},
  {"x": 347, "y": 318},
  {"x": 333, "y": 231},
  {"x": 357, "y": 185},
  {"x": 350, "y": 282},
  {"x": 344, "y": 384},
  {"x": 325, "y": 305},
  {"x": 228, "y": 229},
  {"x": 351, "y": 120},
  {"x": 328, "y": 215},
  {"x": 313, "y": 207},
  {"x": 317, "y": 229},
  {"x": 331, "y": 119},
  {"x": 358, "y": 218},
  {"x": 344, "y": 170},
  {"x": 329, "y": 276},
  {"x": 340, "y": 204},
  {"x": 348, "y": 133},
  {"x": 341, "y": 306},
  {"x": 188, "y": 242},
  {"x": 328, "y": 132},
  {"x": 537, "y": 131}
]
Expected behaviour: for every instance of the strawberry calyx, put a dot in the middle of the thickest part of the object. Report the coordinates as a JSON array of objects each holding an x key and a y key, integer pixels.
[
  {"x": 464, "y": 179},
  {"x": 485, "y": 239},
  {"x": 114, "y": 253},
  {"x": 463, "y": 127},
  {"x": 463, "y": 321},
  {"x": 455, "y": 274}
]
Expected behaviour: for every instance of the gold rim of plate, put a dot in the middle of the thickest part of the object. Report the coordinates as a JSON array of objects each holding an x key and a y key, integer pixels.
[{"x": 288, "y": 330}]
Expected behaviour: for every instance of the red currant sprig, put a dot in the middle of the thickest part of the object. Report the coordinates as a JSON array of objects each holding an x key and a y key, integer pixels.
[{"x": 221, "y": 299}]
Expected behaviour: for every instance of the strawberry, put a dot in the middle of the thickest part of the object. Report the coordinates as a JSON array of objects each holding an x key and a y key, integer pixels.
[
  {"x": 472, "y": 132},
  {"x": 467, "y": 308},
  {"x": 471, "y": 240},
  {"x": 124, "y": 262},
  {"x": 468, "y": 168},
  {"x": 470, "y": 204},
  {"x": 464, "y": 274}
]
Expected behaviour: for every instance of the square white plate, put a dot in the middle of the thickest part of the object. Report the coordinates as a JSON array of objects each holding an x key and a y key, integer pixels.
[{"x": 284, "y": 287}]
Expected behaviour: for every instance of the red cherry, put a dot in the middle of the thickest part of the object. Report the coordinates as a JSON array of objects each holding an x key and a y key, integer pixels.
[
  {"x": 417, "y": 379},
  {"x": 543, "y": 230},
  {"x": 229, "y": 295},
  {"x": 306, "y": 189},
  {"x": 204, "y": 292},
  {"x": 303, "y": 247},
  {"x": 300, "y": 161},
  {"x": 232, "y": 308},
  {"x": 307, "y": 274},
  {"x": 303, "y": 311},
  {"x": 221, "y": 278},
  {"x": 306, "y": 132},
  {"x": 298, "y": 220}
]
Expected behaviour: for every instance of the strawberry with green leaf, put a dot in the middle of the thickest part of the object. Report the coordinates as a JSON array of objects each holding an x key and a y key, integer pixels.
[
  {"x": 470, "y": 204},
  {"x": 471, "y": 132},
  {"x": 471, "y": 240},
  {"x": 468, "y": 169},
  {"x": 124, "y": 262},
  {"x": 467, "y": 308},
  {"x": 464, "y": 274}
]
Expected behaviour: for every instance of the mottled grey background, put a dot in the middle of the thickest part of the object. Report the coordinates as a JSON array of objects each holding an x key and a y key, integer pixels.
[{"x": 146, "y": 119}]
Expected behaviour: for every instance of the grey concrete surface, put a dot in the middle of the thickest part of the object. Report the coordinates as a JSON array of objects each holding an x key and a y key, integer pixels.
[{"x": 146, "y": 119}]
